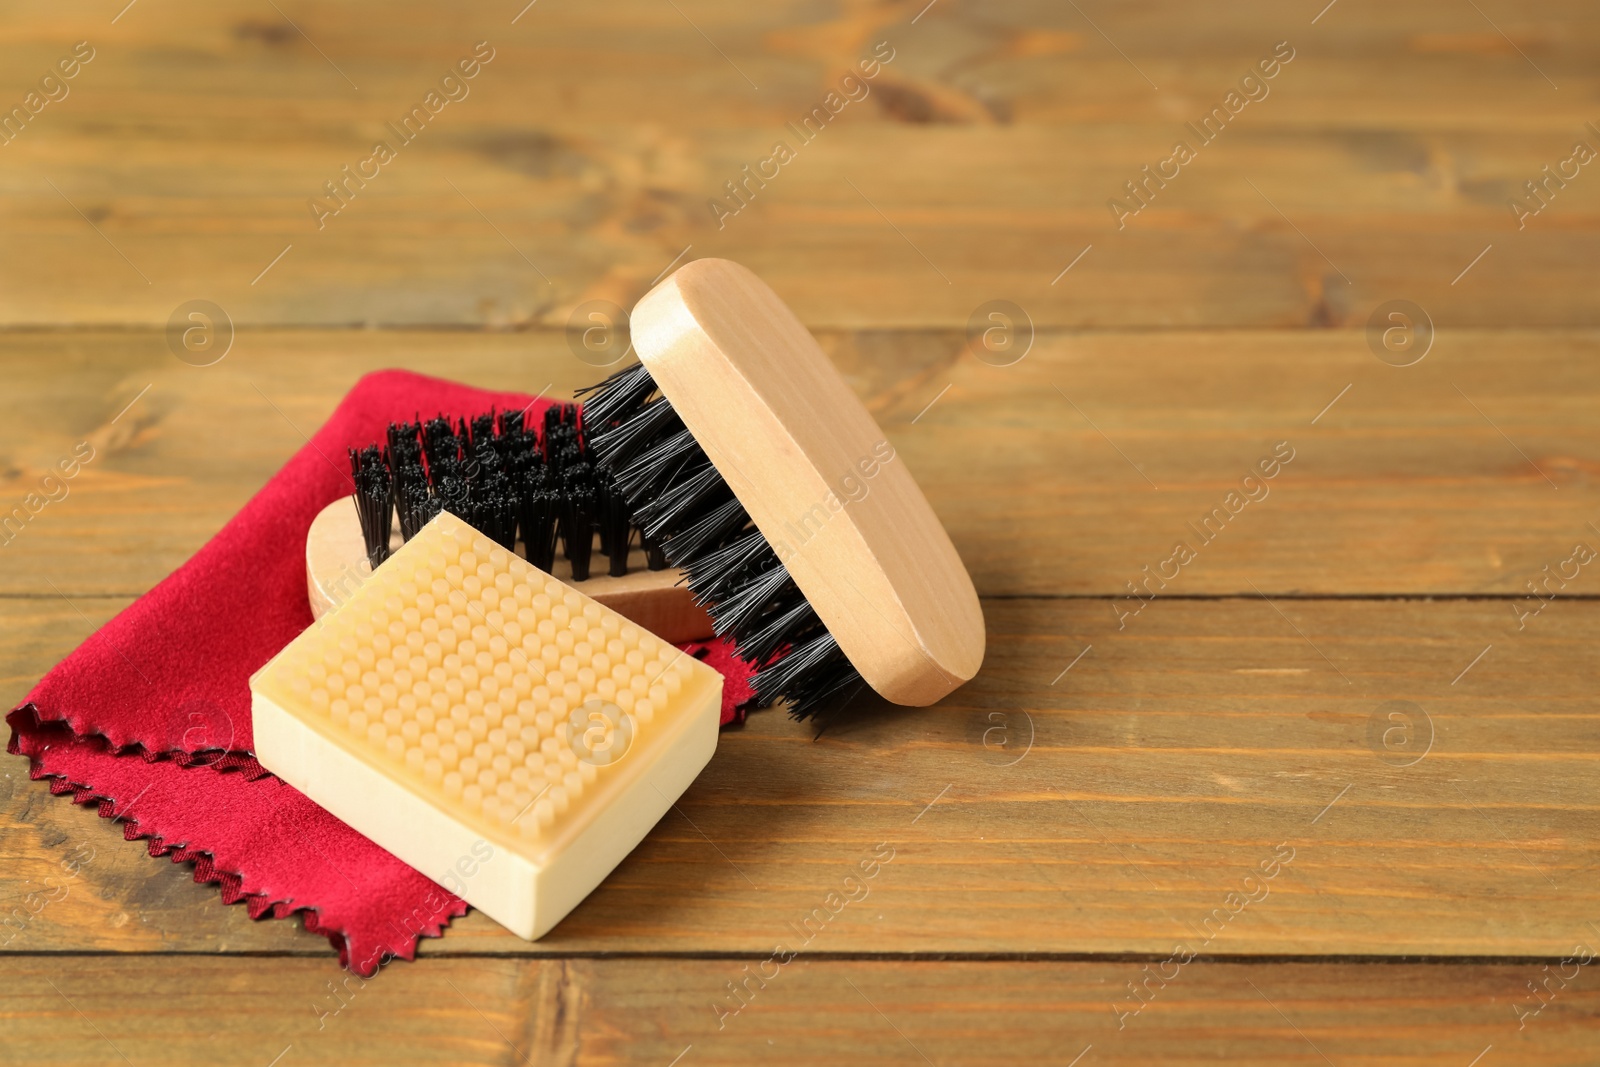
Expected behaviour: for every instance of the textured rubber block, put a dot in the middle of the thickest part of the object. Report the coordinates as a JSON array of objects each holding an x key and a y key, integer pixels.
[{"x": 494, "y": 728}]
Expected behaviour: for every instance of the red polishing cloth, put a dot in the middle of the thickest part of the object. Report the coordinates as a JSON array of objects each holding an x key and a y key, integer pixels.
[{"x": 151, "y": 715}]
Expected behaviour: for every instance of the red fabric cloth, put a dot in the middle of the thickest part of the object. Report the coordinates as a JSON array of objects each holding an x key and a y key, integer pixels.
[{"x": 151, "y": 715}]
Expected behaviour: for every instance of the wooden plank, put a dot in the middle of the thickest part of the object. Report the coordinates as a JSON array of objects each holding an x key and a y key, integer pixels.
[
  {"x": 1129, "y": 778},
  {"x": 588, "y": 151},
  {"x": 1430, "y": 479},
  {"x": 1116, "y": 807},
  {"x": 808, "y": 1011}
]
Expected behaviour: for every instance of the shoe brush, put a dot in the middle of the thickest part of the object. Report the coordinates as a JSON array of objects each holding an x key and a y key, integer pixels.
[
  {"x": 742, "y": 452},
  {"x": 530, "y": 487}
]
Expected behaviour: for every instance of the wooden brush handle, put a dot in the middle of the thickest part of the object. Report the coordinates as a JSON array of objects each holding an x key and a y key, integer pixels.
[
  {"x": 817, "y": 476},
  {"x": 336, "y": 566}
]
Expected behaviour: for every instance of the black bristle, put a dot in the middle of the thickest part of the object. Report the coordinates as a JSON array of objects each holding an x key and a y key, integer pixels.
[
  {"x": 656, "y": 469},
  {"x": 687, "y": 492},
  {"x": 405, "y": 443},
  {"x": 717, "y": 572},
  {"x": 560, "y": 419},
  {"x": 616, "y": 525},
  {"x": 497, "y": 516},
  {"x": 618, "y": 397},
  {"x": 602, "y": 524},
  {"x": 707, "y": 531},
  {"x": 521, "y": 454},
  {"x": 494, "y": 501},
  {"x": 617, "y": 444},
  {"x": 482, "y": 428},
  {"x": 475, "y": 468},
  {"x": 570, "y": 455},
  {"x": 806, "y": 676},
  {"x": 431, "y": 509},
  {"x": 654, "y": 558},
  {"x": 561, "y": 447},
  {"x": 740, "y": 609},
  {"x": 579, "y": 528},
  {"x": 579, "y": 516},
  {"x": 780, "y": 630},
  {"x": 408, "y": 479},
  {"x": 450, "y": 486},
  {"x": 484, "y": 464},
  {"x": 505, "y": 447},
  {"x": 538, "y": 507},
  {"x": 439, "y": 440},
  {"x": 411, "y": 501},
  {"x": 374, "y": 504},
  {"x": 688, "y": 515}
]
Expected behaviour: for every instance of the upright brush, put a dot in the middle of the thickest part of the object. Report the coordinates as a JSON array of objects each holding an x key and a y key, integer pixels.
[{"x": 742, "y": 453}]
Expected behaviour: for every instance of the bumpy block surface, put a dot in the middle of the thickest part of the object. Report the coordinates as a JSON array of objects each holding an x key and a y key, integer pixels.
[{"x": 494, "y": 728}]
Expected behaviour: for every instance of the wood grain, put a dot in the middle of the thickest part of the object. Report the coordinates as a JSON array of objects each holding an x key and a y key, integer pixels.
[
  {"x": 811, "y": 1011},
  {"x": 1111, "y": 808},
  {"x": 1177, "y": 740},
  {"x": 586, "y": 155},
  {"x": 1066, "y": 473}
]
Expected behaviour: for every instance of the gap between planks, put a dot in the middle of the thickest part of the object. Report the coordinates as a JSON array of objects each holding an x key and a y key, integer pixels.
[{"x": 429, "y": 953}]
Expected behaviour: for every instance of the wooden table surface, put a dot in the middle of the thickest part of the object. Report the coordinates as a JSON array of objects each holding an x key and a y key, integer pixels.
[{"x": 1347, "y": 683}]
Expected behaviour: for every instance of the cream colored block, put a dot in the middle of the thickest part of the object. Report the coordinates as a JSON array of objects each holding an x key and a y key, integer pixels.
[{"x": 499, "y": 731}]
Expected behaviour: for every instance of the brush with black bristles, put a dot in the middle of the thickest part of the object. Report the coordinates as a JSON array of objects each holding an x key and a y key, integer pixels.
[
  {"x": 374, "y": 501},
  {"x": 531, "y": 487},
  {"x": 504, "y": 479},
  {"x": 748, "y": 462}
]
